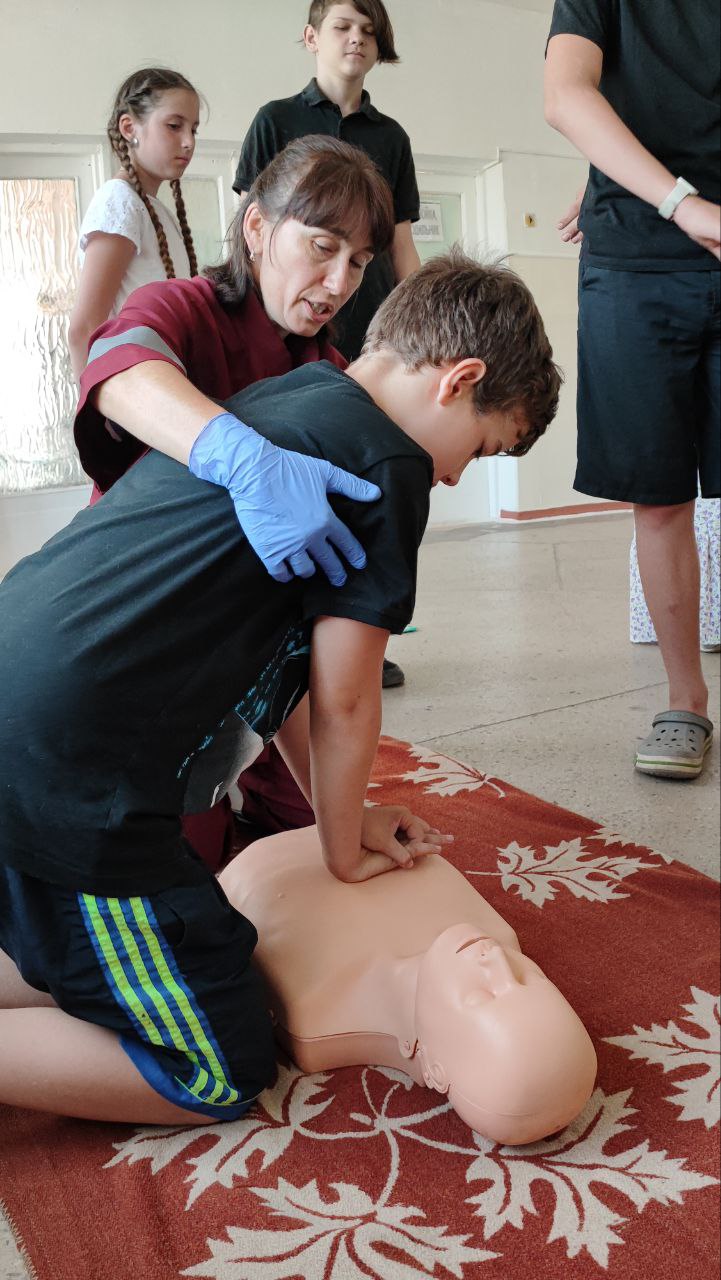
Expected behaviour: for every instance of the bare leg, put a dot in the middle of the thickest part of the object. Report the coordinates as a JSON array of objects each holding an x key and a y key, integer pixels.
[
  {"x": 15, "y": 993},
  {"x": 669, "y": 568},
  {"x": 53, "y": 1062}
]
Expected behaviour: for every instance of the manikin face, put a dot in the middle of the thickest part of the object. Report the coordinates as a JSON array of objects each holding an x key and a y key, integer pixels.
[
  {"x": 345, "y": 44},
  {"x": 304, "y": 274},
  {"x": 499, "y": 1038},
  {"x": 165, "y": 136}
]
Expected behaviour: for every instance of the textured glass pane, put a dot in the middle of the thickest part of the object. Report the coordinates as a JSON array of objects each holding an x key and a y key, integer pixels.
[
  {"x": 38, "y": 278},
  {"x": 440, "y": 225},
  {"x": 202, "y": 205}
]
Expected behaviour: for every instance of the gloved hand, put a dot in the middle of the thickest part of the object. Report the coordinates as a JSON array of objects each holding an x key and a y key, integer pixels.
[{"x": 280, "y": 499}]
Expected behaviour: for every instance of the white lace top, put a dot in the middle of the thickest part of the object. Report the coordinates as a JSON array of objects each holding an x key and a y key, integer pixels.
[{"x": 118, "y": 210}]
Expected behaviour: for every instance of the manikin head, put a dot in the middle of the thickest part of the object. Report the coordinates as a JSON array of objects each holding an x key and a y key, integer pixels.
[{"x": 494, "y": 1034}]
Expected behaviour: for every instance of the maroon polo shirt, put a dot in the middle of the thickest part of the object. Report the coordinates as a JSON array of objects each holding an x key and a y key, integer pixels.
[{"x": 182, "y": 323}]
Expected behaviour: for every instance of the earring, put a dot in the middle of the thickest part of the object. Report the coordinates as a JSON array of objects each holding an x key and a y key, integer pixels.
[
  {"x": 133, "y": 142},
  {"x": 251, "y": 255}
]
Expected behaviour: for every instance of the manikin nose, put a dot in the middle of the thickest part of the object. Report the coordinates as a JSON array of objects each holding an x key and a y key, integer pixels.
[{"x": 493, "y": 963}]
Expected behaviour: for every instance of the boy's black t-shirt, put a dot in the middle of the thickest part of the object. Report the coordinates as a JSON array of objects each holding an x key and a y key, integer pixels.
[
  {"x": 661, "y": 74},
  {"x": 146, "y": 654},
  {"x": 382, "y": 138}
]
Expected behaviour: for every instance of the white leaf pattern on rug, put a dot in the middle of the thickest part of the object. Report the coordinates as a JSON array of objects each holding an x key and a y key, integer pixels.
[
  {"x": 444, "y": 776},
  {"x": 609, "y": 837},
  {"x": 537, "y": 877},
  {"x": 673, "y": 1048},
  {"x": 572, "y": 1164},
  {"x": 288, "y": 1106},
  {"x": 340, "y": 1240}
]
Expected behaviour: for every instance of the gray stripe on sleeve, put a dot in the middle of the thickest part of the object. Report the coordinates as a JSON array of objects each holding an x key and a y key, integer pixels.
[{"x": 141, "y": 336}]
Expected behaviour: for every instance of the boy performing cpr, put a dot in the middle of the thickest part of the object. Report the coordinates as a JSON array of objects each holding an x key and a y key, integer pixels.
[{"x": 126, "y": 987}]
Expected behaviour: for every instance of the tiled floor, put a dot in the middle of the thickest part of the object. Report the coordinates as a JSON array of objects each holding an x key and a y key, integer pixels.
[{"x": 521, "y": 665}]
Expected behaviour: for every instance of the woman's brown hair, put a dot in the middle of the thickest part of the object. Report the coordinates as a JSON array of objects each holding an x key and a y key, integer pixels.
[
  {"x": 376, "y": 13},
  {"x": 136, "y": 97},
  {"x": 316, "y": 180}
]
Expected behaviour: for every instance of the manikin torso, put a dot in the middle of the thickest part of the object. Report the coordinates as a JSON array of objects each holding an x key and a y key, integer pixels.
[{"x": 415, "y": 970}]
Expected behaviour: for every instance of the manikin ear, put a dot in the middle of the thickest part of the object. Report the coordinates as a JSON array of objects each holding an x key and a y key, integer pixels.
[
  {"x": 253, "y": 226},
  {"x": 434, "y": 1073},
  {"x": 458, "y": 380}
]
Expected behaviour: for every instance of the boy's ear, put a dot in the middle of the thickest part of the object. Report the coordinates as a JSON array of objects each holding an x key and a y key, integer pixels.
[
  {"x": 310, "y": 38},
  {"x": 459, "y": 379}
]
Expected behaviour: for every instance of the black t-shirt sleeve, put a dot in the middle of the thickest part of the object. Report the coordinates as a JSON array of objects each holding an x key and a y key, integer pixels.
[
  {"x": 405, "y": 194},
  {"x": 390, "y": 531},
  {"x": 588, "y": 18},
  {"x": 260, "y": 146}
]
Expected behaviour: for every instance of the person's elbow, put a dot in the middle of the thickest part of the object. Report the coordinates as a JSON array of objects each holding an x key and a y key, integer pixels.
[{"x": 555, "y": 103}]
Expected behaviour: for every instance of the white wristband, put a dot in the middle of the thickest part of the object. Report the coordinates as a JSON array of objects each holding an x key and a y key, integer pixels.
[{"x": 668, "y": 207}]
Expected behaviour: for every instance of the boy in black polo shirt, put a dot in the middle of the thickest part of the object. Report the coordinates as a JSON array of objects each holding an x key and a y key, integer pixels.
[
  {"x": 347, "y": 39},
  {"x": 137, "y": 1000}
]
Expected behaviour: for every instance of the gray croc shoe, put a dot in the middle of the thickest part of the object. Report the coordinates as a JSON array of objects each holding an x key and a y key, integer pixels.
[{"x": 677, "y": 745}]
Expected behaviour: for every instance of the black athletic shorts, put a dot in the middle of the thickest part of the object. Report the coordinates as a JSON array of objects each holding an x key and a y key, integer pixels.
[
  {"x": 169, "y": 971},
  {"x": 649, "y": 385}
]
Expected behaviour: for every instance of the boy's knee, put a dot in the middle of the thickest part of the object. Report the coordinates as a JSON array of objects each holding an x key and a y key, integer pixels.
[{"x": 660, "y": 519}]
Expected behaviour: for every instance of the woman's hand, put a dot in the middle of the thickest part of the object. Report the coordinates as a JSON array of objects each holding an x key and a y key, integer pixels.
[
  {"x": 392, "y": 837},
  {"x": 280, "y": 499}
]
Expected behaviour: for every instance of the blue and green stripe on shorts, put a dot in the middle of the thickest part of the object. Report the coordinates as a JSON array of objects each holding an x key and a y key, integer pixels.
[{"x": 174, "y": 1047}]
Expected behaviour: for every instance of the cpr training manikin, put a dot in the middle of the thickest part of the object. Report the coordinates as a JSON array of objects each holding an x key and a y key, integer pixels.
[{"x": 414, "y": 970}]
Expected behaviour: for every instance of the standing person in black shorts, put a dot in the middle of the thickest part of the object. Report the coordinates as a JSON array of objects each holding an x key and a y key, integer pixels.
[
  {"x": 635, "y": 87},
  {"x": 347, "y": 39}
]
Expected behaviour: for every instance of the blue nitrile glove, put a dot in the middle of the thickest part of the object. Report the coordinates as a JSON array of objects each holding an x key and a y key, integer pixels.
[{"x": 280, "y": 499}]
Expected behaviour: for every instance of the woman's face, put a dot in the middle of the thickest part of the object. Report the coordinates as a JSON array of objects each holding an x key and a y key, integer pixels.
[{"x": 305, "y": 274}]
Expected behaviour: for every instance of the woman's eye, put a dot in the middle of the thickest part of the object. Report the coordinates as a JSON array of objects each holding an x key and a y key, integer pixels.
[{"x": 322, "y": 248}]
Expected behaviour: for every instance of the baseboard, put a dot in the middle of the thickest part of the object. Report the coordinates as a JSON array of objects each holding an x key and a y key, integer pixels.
[{"x": 581, "y": 509}]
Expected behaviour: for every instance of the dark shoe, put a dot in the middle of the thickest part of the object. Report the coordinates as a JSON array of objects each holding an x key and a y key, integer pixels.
[{"x": 393, "y": 677}]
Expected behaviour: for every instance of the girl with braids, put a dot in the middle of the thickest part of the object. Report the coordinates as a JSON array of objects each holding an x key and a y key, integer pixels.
[
  {"x": 128, "y": 237},
  {"x": 298, "y": 247}
]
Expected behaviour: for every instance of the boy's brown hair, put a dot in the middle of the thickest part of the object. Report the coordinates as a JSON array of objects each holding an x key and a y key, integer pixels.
[
  {"x": 455, "y": 308},
  {"x": 376, "y": 13}
]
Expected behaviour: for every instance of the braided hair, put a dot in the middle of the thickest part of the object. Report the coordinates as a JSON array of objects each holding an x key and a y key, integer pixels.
[{"x": 137, "y": 96}]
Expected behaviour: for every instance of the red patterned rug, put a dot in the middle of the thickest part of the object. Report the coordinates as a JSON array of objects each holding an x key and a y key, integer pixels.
[{"x": 358, "y": 1175}]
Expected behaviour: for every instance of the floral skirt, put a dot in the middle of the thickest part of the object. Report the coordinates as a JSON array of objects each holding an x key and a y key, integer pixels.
[{"x": 707, "y": 523}]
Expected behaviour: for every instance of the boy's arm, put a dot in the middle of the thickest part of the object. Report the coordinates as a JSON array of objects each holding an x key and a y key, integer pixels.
[
  {"x": 575, "y": 107},
  {"x": 404, "y": 254},
  {"x": 345, "y": 722},
  {"x": 293, "y": 743}
]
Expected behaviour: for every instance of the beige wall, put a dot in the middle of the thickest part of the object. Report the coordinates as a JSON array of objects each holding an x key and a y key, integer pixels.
[
  {"x": 469, "y": 87},
  {"x": 470, "y": 80}
]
